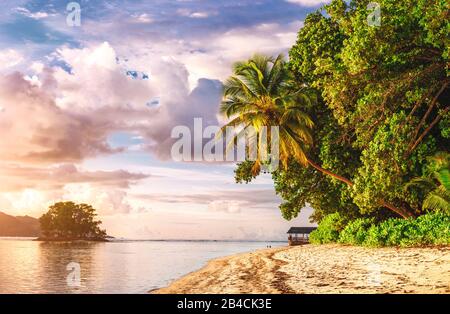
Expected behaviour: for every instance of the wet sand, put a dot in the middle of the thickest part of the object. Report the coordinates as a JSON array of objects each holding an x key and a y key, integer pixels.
[{"x": 322, "y": 269}]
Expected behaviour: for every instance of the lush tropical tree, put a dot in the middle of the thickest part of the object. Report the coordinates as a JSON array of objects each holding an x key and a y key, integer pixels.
[
  {"x": 67, "y": 220},
  {"x": 387, "y": 86},
  {"x": 300, "y": 186},
  {"x": 262, "y": 93}
]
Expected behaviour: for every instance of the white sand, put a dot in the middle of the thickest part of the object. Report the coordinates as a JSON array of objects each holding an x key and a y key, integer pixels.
[{"x": 323, "y": 269}]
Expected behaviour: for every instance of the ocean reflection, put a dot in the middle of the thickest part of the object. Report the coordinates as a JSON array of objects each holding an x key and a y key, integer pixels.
[
  {"x": 53, "y": 260},
  {"x": 28, "y": 266}
]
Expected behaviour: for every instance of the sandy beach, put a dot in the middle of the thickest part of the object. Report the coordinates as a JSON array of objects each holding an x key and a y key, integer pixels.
[{"x": 323, "y": 269}]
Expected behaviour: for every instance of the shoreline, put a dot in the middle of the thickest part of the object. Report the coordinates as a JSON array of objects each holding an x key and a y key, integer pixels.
[
  {"x": 328, "y": 268},
  {"x": 42, "y": 239}
]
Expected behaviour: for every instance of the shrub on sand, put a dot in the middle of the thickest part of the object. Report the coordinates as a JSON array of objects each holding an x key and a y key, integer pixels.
[
  {"x": 429, "y": 229},
  {"x": 432, "y": 228},
  {"x": 328, "y": 229},
  {"x": 355, "y": 232}
]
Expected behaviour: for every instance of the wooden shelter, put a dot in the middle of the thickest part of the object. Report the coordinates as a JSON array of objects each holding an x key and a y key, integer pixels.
[{"x": 299, "y": 235}]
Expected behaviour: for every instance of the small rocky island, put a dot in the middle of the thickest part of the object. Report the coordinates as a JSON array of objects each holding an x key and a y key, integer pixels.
[{"x": 67, "y": 221}]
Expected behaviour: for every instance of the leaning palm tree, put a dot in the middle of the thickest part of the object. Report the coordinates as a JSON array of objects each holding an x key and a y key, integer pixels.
[{"x": 262, "y": 93}]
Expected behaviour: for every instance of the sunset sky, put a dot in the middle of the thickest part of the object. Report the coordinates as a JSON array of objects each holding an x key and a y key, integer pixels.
[{"x": 86, "y": 112}]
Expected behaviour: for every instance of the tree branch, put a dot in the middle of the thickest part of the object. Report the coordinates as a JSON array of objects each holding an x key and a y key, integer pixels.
[
  {"x": 398, "y": 210},
  {"x": 420, "y": 138},
  {"x": 425, "y": 116}
]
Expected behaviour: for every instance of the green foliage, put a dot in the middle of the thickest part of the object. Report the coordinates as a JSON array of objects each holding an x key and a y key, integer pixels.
[
  {"x": 261, "y": 93},
  {"x": 300, "y": 187},
  {"x": 252, "y": 98},
  {"x": 355, "y": 232},
  {"x": 438, "y": 199},
  {"x": 428, "y": 229},
  {"x": 389, "y": 233},
  {"x": 243, "y": 172},
  {"x": 435, "y": 183},
  {"x": 380, "y": 115},
  {"x": 432, "y": 228},
  {"x": 320, "y": 39},
  {"x": 385, "y": 169},
  {"x": 387, "y": 88},
  {"x": 328, "y": 230},
  {"x": 444, "y": 126},
  {"x": 67, "y": 220}
]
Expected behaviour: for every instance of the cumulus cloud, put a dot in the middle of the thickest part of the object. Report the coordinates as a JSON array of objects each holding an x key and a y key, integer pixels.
[
  {"x": 57, "y": 116},
  {"x": 210, "y": 55},
  {"x": 33, "y": 189},
  {"x": 34, "y": 202},
  {"x": 107, "y": 201},
  {"x": 35, "y": 129},
  {"x": 182, "y": 109},
  {"x": 96, "y": 80},
  {"x": 213, "y": 55},
  {"x": 73, "y": 111},
  {"x": 10, "y": 58},
  {"x": 31, "y": 123},
  {"x": 54, "y": 118},
  {"x": 96, "y": 84}
]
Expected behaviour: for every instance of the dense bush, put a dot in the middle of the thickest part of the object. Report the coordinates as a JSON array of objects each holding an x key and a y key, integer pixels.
[
  {"x": 328, "y": 230},
  {"x": 429, "y": 229},
  {"x": 356, "y": 231}
]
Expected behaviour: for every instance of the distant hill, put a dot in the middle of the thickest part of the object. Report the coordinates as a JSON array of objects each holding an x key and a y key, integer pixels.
[{"x": 20, "y": 226}]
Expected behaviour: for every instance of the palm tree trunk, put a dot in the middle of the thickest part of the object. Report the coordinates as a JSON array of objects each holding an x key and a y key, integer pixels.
[{"x": 398, "y": 210}]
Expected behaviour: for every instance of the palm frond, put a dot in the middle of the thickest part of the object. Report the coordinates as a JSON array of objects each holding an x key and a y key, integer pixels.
[
  {"x": 261, "y": 93},
  {"x": 421, "y": 183},
  {"x": 443, "y": 176},
  {"x": 438, "y": 199}
]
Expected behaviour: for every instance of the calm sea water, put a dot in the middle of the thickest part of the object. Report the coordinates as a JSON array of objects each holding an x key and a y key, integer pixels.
[{"x": 28, "y": 266}]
